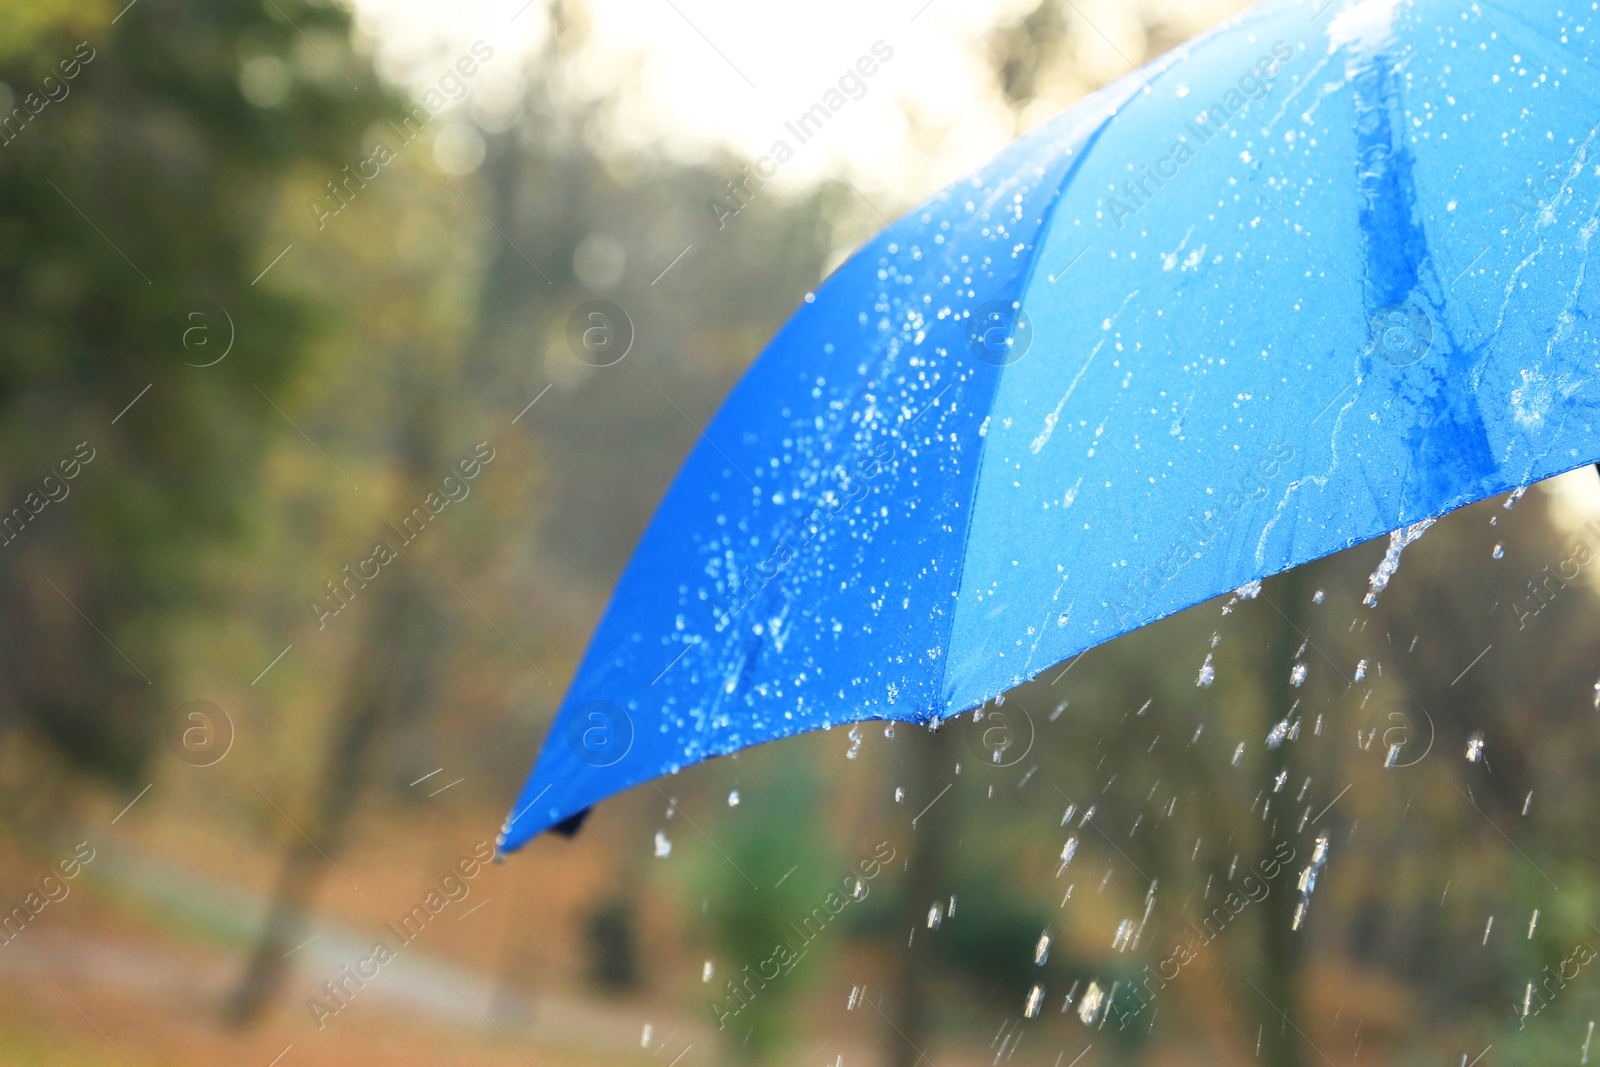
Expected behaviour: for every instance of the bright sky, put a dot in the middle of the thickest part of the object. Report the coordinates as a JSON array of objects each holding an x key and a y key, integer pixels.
[{"x": 690, "y": 75}]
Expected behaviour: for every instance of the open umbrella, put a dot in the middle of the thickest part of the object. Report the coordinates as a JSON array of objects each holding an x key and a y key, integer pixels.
[{"x": 1316, "y": 277}]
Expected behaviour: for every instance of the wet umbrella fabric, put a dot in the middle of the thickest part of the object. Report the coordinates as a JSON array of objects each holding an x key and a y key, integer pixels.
[{"x": 1316, "y": 277}]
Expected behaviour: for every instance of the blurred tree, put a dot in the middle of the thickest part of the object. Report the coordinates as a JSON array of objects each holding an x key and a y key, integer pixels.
[{"x": 141, "y": 154}]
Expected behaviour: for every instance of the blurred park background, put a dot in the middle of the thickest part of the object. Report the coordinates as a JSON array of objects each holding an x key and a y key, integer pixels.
[{"x": 240, "y": 345}]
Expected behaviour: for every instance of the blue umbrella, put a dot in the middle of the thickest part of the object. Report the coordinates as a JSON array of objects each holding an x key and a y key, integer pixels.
[{"x": 1316, "y": 277}]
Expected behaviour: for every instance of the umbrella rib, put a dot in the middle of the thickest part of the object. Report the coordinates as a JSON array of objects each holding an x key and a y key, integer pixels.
[
  {"x": 673, "y": 804},
  {"x": 703, "y": 436}
]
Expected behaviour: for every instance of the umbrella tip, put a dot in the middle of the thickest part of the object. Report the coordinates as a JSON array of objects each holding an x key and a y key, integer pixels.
[{"x": 570, "y": 826}]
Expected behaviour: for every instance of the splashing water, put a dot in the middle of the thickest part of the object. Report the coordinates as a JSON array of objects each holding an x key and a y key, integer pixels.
[
  {"x": 1207, "y": 675},
  {"x": 1398, "y": 540},
  {"x": 1247, "y": 591}
]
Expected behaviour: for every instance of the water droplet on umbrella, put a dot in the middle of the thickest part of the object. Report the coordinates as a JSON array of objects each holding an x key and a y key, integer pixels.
[{"x": 1516, "y": 495}]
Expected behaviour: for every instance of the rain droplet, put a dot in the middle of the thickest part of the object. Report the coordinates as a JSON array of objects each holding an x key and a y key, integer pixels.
[
  {"x": 888, "y": 730},
  {"x": 1361, "y": 670},
  {"x": 1215, "y": 637},
  {"x": 935, "y": 916},
  {"x": 1527, "y": 802},
  {"x": 1041, "y": 949},
  {"x": 707, "y": 971},
  {"x": 663, "y": 846},
  {"x": 1486, "y": 928},
  {"x": 644, "y": 1038},
  {"x": 1533, "y": 923},
  {"x": 1275, "y": 736},
  {"x": 1475, "y": 747},
  {"x": 1068, "y": 850},
  {"x": 1207, "y": 675},
  {"x": 855, "y": 742},
  {"x": 1516, "y": 495},
  {"x": 854, "y": 999},
  {"x": 1089, "y": 1007},
  {"x": 1317, "y": 599},
  {"x": 733, "y": 798},
  {"x": 1238, "y": 754},
  {"x": 1499, "y": 551},
  {"x": 1035, "y": 997},
  {"x": 899, "y": 795},
  {"x": 1297, "y": 674}
]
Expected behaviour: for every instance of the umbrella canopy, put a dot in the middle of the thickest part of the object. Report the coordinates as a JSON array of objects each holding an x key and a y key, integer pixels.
[{"x": 1316, "y": 277}]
